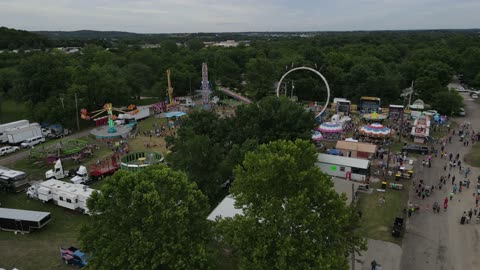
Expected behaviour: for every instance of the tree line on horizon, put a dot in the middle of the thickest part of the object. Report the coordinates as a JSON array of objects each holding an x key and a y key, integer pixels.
[{"x": 355, "y": 64}]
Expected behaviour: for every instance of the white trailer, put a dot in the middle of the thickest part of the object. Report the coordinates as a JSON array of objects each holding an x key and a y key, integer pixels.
[
  {"x": 4, "y": 127},
  {"x": 71, "y": 196},
  {"x": 142, "y": 114},
  {"x": 344, "y": 167},
  {"x": 19, "y": 134}
]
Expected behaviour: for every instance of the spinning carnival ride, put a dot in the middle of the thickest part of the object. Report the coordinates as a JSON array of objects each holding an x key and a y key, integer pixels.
[{"x": 108, "y": 108}]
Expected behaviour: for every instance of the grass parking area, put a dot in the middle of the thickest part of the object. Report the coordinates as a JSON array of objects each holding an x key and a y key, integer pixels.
[
  {"x": 377, "y": 219},
  {"x": 39, "y": 249},
  {"x": 473, "y": 157}
]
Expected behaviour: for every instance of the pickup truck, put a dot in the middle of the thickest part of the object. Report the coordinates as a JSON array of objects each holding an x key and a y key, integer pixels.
[
  {"x": 416, "y": 149},
  {"x": 73, "y": 256},
  {"x": 8, "y": 150}
]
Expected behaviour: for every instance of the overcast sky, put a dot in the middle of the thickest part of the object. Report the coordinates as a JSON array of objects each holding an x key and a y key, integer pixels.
[{"x": 167, "y": 16}]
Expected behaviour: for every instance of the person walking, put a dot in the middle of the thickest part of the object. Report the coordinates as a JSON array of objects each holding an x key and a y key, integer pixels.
[
  {"x": 445, "y": 203},
  {"x": 374, "y": 265}
]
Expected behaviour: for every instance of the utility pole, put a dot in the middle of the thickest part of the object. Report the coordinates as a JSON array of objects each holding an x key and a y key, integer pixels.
[
  {"x": 76, "y": 112},
  {"x": 190, "y": 83},
  {"x": 352, "y": 203},
  {"x": 410, "y": 97},
  {"x": 291, "y": 92},
  {"x": 400, "y": 133}
]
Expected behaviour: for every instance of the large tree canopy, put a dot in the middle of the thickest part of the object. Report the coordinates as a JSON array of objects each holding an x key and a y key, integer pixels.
[
  {"x": 293, "y": 219},
  {"x": 355, "y": 64},
  {"x": 153, "y": 219},
  {"x": 209, "y": 147}
]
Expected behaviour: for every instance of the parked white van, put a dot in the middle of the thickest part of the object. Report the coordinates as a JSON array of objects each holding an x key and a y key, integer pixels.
[{"x": 32, "y": 141}]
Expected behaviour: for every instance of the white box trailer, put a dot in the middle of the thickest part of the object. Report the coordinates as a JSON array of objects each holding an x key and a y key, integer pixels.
[
  {"x": 4, "y": 127},
  {"x": 23, "y": 221},
  {"x": 19, "y": 134},
  {"x": 71, "y": 196},
  {"x": 344, "y": 167},
  {"x": 142, "y": 114}
]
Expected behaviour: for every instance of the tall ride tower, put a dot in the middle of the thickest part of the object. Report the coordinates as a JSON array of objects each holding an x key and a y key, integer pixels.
[{"x": 205, "y": 86}]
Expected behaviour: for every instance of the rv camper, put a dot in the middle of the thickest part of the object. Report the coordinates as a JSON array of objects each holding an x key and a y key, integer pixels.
[
  {"x": 71, "y": 196},
  {"x": 12, "y": 180}
]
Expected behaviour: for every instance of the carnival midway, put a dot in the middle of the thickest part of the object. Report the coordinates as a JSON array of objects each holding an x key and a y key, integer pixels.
[{"x": 382, "y": 156}]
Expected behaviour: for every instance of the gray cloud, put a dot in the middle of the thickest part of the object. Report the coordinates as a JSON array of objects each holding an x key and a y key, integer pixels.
[{"x": 149, "y": 16}]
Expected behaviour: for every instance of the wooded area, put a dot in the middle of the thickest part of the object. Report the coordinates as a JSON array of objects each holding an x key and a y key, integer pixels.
[{"x": 356, "y": 64}]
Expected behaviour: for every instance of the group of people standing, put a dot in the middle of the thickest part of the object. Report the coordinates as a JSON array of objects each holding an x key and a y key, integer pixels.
[{"x": 456, "y": 174}]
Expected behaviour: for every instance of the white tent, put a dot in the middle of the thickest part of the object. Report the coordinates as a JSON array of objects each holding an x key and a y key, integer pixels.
[{"x": 226, "y": 208}]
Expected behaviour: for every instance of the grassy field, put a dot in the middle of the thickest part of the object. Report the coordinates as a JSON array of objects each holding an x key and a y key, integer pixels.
[
  {"x": 40, "y": 249},
  {"x": 11, "y": 111},
  {"x": 473, "y": 157},
  {"x": 157, "y": 144},
  {"x": 377, "y": 220}
]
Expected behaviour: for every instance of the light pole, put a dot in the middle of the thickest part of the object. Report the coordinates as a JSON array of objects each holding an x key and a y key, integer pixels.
[{"x": 77, "y": 112}]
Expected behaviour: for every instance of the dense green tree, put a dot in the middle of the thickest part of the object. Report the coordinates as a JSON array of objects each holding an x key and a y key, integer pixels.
[
  {"x": 260, "y": 77},
  {"x": 200, "y": 158},
  {"x": 14, "y": 39},
  {"x": 195, "y": 44},
  {"x": 448, "y": 102},
  {"x": 271, "y": 119},
  {"x": 8, "y": 78},
  {"x": 153, "y": 219},
  {"x": 139, "y": 78},
  {"x": 169, "y": 46},
  {"x": 41, "y": 76},
  {"x": 471, "y": 64},
  {"x": 293, "y": 218}
]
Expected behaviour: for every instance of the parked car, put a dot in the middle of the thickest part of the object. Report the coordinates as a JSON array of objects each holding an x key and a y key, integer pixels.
[
  {"x": 73, "y": 256},
  {"x": 416, "y": 149},
  {"x": 8, "y": 150},
  {"x": 461, "y": 112},
  {"x": 32, "y": 141}
]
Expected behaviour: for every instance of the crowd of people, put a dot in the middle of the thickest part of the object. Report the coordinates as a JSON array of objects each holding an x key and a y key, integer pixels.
[{"x": 456, "y": 176}]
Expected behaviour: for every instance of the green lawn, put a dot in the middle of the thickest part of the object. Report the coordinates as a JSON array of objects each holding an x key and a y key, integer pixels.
[
  {"x": 377, "y": 220},
  {"x": 12, "y": 111},
  {"x": 473, "y": 157},
  {"x": 39, "y": 249},
  {"x": 138, "y": 144}
]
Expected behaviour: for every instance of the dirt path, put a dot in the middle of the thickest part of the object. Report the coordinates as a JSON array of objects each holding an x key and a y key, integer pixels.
[
  {"x": 438, "y": 241},
  {"x": 21, "y": 155}
]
